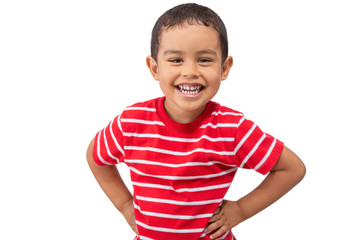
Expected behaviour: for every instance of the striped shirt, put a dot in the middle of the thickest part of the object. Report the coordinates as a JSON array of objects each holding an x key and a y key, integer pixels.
[{"x": 181, "y": 172}]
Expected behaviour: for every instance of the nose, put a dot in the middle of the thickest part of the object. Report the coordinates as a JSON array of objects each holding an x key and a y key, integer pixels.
[{"x": 190, "y": 70}]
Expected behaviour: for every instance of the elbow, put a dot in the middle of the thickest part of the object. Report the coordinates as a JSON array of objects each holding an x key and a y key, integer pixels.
[
  {"x": 300, "y": 170},
  {"x": 295, "y": 165},
  {"x": 89, "y": 153}
]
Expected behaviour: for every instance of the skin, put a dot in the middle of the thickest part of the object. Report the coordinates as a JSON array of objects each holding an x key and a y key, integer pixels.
[
  {"x": 190, "y": 55},
  {"x": 114, "y": 187},
  {"x": 287, "y": 172}
]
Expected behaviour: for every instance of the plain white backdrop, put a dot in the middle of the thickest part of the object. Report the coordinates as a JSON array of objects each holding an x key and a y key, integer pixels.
[{"x": 68, "y": 67}]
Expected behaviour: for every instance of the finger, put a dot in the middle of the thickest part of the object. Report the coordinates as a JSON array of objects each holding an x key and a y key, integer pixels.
[
  {"x": 213, "y": 226},
  {"x": 214, "y": 218},
  {"x": 219, "y": 232},
  {"x": 218, "y": 210}
]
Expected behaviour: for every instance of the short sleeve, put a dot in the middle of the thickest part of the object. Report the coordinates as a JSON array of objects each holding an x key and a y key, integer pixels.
[
  {"x": 254, "y": 148},
  {"x": 108, "y": 145}
]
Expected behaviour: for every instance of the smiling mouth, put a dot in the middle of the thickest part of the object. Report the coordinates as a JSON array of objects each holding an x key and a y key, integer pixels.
[{"x": 190, "y": 89}]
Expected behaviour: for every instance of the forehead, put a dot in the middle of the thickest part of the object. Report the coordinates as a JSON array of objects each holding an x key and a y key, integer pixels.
[{"x": 189, "y": 37}]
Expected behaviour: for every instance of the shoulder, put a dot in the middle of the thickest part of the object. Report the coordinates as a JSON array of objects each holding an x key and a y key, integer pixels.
[
  {"x": 141, "y": 108},
  {"x": 138, "y": 115},
  {"x": 223, "y": 119},
  {"x": 149, "y": 104},
  {"x": 224, "y": 112}
]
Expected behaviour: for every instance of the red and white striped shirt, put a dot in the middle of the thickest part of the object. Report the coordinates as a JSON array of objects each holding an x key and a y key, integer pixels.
[{"x": 181, "y": 172}]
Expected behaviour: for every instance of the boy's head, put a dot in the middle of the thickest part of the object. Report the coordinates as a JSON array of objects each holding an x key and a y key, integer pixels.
[
  {"x": 190, "y": 13},
  {"x": 189, "y": 59}
]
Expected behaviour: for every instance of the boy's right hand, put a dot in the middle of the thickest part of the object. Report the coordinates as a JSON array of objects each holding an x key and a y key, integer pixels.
[
  {"x": 114, "y": 187},
  {"x": 128, "y": 212}
]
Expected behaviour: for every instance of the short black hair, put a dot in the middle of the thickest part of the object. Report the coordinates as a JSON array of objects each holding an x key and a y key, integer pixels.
[{"x": 190, "y": 13}]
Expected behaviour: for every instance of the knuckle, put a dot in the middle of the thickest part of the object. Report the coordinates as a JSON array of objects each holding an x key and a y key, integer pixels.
[
  {"x": 216, "y": 225},
  {"x": 210, "y": 227}
]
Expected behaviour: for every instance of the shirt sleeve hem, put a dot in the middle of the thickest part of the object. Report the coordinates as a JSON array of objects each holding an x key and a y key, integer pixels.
[
  {"x": 273, "y": 158},
  {"x": 95, "y": 155}
]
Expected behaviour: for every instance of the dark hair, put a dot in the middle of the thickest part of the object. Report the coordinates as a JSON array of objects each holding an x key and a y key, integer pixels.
[{"x": 190, "y": 13}]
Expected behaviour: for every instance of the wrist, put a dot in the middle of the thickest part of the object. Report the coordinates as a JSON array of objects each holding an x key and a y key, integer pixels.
[{"x": 242, "y": 213}]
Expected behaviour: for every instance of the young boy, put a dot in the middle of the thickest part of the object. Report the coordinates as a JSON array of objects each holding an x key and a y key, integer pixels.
[{"x": 183, "y": 150}]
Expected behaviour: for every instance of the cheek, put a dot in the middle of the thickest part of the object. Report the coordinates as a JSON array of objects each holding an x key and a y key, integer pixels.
[
  {"x": 213, "y": 77},
  {"x": 167, "y": 77},
  {"x": 213, "y": 72},
  {"x": 166, "y": 86}
]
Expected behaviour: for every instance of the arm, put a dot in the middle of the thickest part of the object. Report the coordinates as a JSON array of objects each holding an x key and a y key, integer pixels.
[
  {"x": 287, "y": 172},
  {"x": 112, "y": 184}
]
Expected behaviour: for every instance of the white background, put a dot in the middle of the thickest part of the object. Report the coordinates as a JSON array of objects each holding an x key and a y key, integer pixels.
[{"x": 68, "y": 67}]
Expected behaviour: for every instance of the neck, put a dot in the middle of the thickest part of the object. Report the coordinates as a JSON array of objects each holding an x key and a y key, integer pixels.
[{"x": 182, "y": 116}]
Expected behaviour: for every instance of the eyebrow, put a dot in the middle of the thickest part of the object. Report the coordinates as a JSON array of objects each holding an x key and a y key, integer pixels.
[{"x": 206, "y": 51}]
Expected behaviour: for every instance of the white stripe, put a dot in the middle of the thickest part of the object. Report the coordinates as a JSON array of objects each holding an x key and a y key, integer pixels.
[
  {"x": 203, "y": 188},
  {"x": 98, "y": 150},
  {"x": 119, "y": 124},
  {"x": 150, "y": 185},
  {"x": 107, "y": 147},
  {"x": 266, "y": 155},
  {"x": 176, "y": 139},
  {"x": 220, "y": 238},
  {"x": 160, "y": 229},
  {"x": 227, "y": 113},
  {"x": 244, "y": 138},
  {"x": 141, "y": 108},
  {"x": 183, "y": 177},
  {"x": 115, "y": 140},
  {"x": 174, "y": 202},
  {"x": 223, "y": 236},
  {"x": 252, "y": 150},
  {"x": 173, "y": 165},
  {"x": 219, "y": 125},
  {"x": 175, "y": 152},
  {"x": 241, "y": 121},
  {"x": 142, "y": 121},
  {"x": 163, "y": 215}
]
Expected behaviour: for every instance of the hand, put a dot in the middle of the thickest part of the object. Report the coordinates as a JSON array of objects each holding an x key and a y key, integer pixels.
[
  {"x": 128, "y": 212},
  {"x": 226, "y": 216}
]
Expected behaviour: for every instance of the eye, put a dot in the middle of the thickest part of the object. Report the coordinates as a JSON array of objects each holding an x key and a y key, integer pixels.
[
  {"x": 175, "y": 60},
  {"x": 204, "y": 60}
]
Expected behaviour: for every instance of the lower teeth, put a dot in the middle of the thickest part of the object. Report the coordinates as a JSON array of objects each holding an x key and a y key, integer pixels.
[{"x": 189, "y": 92}]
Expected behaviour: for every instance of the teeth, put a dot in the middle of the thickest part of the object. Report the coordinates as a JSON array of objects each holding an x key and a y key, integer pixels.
[{"x": 189, "y": 90}]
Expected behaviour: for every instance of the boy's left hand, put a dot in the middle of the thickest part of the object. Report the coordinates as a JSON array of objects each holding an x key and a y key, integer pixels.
[
  {"x": 286, "y": 173},
  {"x": 225, "y": 217}
]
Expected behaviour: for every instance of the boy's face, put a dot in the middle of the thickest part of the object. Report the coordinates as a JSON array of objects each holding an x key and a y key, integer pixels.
[{"x": 189, "y": 69}]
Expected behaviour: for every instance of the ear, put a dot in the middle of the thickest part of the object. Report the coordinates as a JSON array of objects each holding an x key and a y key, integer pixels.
[
  {"x": 225, "y": 69},
  {"x": 153, "y": 67}
]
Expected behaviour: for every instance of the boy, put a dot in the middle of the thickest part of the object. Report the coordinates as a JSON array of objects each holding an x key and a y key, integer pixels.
[{"x": 183, "y": 150}]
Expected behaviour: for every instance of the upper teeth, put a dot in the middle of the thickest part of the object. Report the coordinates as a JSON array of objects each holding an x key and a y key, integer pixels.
[{"x": 189, "y": 87}]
